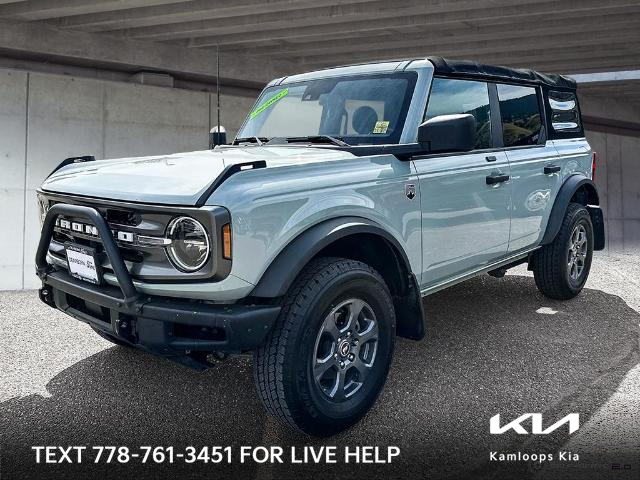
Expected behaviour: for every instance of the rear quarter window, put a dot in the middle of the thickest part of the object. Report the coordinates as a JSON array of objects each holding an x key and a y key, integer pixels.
[{"x": 565, "y": 116}]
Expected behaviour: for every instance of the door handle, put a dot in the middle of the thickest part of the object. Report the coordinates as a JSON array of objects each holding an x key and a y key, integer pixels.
[
  {"x": 549, "y": 169},
  {"x": 499, "y": 178},
  {"x": 491, "y": 158}
]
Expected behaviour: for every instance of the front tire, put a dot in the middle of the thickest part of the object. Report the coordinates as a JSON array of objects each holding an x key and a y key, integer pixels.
[
  {"x": 327, "y": 358},
  {"x": 561, "y": 268}
]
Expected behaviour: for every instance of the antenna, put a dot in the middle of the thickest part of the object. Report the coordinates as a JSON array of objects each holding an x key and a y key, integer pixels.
[
  {"x": 218, "y": 81},
  {"x": 217, "y": 135}
]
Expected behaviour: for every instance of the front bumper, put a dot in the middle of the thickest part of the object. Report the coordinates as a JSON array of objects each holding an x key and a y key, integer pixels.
[{"x": 181, "y": 330}]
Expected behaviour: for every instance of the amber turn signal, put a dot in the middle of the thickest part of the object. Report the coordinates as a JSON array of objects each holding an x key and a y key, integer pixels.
[{"x": 226, "y": 241}]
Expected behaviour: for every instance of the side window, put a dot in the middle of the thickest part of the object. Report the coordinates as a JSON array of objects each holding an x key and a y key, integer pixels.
[
  {"x": 449, "y": 96},
  {"x": 520, "y": 111}
]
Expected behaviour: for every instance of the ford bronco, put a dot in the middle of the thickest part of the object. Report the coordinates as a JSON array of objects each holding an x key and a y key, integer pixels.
[{"x": 347, "y": 195}]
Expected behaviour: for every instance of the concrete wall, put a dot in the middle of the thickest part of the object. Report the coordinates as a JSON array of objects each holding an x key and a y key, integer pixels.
[
  {"x": 13, "y": 140},
  {"x": 618, "y": 182},
  {"x": 46, "y": 118}
]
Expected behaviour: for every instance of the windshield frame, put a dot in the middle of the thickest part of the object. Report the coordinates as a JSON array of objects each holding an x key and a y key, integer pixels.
[{"x": 393, "y": 139}]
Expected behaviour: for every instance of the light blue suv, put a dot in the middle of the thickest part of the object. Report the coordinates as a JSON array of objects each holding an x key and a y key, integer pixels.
[{"x": 347, "y": 196}]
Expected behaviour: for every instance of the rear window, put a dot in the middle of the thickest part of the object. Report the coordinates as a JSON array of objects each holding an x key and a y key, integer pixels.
[{"x": 520, "y": 112}]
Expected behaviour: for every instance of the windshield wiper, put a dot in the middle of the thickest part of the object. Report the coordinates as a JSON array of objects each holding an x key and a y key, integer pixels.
[
  {"x": 318, "y": 139},
  {"x": 252, "y": 139}
]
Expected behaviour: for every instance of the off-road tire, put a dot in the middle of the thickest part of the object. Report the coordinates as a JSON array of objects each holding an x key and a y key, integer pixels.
[
  {"x": 550, "y": 263},
  {"x": 283, "y": 366},
  {"x": 110, "y": 338}
]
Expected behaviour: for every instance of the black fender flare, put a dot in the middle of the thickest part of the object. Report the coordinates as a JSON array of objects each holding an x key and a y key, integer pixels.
[
  {"x": 288, "y": 264},
  {"x": 566, "y": 192}
]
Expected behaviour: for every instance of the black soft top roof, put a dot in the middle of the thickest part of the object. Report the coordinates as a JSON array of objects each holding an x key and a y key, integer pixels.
[{"x": 466, "y": 68}]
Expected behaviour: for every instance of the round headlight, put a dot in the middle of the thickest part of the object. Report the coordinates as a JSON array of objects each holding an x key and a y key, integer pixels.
[{"x": 190, "y": 247}]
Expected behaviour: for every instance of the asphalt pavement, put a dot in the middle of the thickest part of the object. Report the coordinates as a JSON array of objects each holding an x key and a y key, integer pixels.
[{"x": 493, "y": 346}]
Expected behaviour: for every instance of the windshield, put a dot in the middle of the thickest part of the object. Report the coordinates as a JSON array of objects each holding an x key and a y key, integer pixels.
[{"x": 363, "y": 109}]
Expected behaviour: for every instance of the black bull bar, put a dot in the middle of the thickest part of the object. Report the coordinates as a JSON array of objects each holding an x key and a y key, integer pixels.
[
  {"x": 129, "y": 292},
  {"x": 167, "y": 326}
]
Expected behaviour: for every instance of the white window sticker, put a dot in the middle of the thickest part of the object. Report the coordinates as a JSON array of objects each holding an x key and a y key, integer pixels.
[{"x": 381, "y": 126}]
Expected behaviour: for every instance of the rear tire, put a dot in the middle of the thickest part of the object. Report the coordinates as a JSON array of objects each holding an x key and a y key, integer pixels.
[
  {"x": 110, "y": 338},
  {"x": 328, "y": 355},
  {"x": 561, "y": 268}
]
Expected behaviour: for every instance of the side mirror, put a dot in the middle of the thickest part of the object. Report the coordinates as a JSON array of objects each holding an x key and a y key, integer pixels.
[
  {"x": 217, "y": 137},
  {"x": 448, "y": 133}
]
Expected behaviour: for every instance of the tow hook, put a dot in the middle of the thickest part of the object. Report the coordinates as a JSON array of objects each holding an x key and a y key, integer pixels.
[
  {"x": 125, "y": 328},
  {"x": 46, "y": 296}
]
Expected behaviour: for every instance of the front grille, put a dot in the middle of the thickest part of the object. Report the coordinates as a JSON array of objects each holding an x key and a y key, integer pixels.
[
  {"x": 117, "y": 216},
  {"x": 123, "y": 217},
  {"x": 145, "y": 260},
  {"x": 76, "y": 231},
  {"x": 126, "y": 225}
]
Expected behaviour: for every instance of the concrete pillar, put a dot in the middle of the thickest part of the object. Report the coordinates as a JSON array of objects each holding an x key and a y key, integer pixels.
[{"x": 13, "y": 118}]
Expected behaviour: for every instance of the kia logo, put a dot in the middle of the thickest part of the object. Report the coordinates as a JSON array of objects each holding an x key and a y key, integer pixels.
[{"x": 573, "y": 419}]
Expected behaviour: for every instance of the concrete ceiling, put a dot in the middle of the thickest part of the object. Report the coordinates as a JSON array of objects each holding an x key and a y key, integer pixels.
[{"x": 260, "y": 39}]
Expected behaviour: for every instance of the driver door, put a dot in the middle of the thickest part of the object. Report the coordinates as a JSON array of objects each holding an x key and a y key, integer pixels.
[{"x": 465, "y": 197}]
